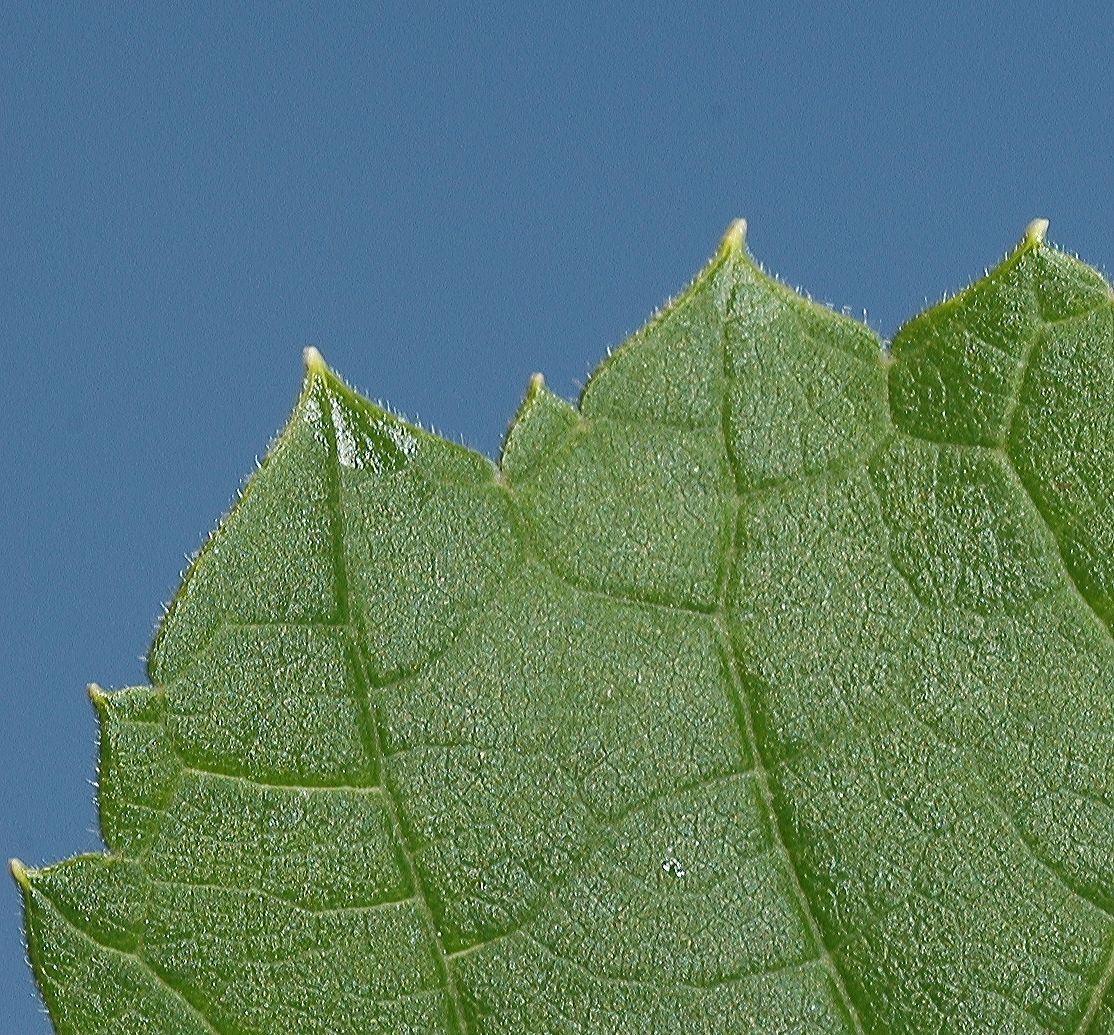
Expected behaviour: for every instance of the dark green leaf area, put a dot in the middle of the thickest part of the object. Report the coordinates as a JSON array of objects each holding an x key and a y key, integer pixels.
[{"x": 769, "y": 689}]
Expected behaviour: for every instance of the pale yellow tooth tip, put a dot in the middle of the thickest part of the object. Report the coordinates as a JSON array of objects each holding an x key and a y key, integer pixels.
[
  {"x": 313, "y": 359},
  {"x": 96, "y": 693},
  {"x": 19, "y": 872},
  {"x": 1035, "y": 231},
  {"x": 735, "y": 237}
]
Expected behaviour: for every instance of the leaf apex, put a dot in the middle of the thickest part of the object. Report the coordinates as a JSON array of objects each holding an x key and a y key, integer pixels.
[
  {"x": 20, "y": 873},
  {"x": 734, "y": 237},
  {"x": 1035, "y": 232},
  {"x": 314, "y": 361}
]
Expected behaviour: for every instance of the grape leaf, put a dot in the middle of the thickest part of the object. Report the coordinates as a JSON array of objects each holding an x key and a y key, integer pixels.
[{"x": 769, "y": 689}]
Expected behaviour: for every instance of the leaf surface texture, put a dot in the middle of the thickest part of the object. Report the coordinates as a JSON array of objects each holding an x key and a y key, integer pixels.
[{"x": 768, "y": 689}]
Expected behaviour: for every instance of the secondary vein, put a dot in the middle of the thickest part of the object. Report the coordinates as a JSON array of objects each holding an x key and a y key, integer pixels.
[
  {"x": 372, "y": 734},
  {"x": 178, "y": 995},
  {"x": 744, "y": 710},
  {"x": 1098, "y": 995}
]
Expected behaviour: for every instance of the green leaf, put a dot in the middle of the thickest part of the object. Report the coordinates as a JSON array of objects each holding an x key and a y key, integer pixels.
[{"x": 770, "y": 689}]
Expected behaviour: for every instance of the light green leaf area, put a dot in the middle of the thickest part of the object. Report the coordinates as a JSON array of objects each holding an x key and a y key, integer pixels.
[{"x": 769, "y": 689}]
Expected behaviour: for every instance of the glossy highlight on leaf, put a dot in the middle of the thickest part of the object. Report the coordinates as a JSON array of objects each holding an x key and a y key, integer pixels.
[{"x": 768, "y": 689}]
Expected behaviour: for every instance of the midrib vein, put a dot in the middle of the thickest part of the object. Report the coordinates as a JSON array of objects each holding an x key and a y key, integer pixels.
[
  {"x": 744, "y": 711},
  {"x": 371, "y": 732}
]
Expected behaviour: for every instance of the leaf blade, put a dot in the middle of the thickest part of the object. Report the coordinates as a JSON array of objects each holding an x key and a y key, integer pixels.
[{"x": 754, "y": 691}]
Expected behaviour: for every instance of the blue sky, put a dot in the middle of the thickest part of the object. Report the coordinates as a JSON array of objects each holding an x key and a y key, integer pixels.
[{"x": 443, "y": 201}]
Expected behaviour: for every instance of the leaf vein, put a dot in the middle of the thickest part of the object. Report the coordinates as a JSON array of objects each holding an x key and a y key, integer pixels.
[
  {"x": 370, "y": 728},
  {"x": 1104, "y": 984},
  {"x": 605, "y": 834},
  {"x": 145, "y": 963},
  {"x": 745, "y": 716}
]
